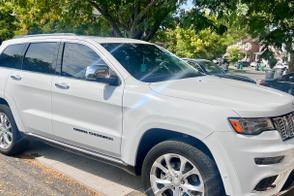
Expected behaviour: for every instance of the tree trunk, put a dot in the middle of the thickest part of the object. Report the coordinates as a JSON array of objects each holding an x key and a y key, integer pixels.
[{"x": 291, "y": 61}]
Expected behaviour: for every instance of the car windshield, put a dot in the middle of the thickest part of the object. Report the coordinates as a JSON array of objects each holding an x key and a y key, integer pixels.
[
  {"x": 211, "y": 68},
  {"x": 150, "y": 63}
]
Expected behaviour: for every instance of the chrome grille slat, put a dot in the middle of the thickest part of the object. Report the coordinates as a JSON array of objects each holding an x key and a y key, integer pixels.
[{"x": 285, "y": 125}]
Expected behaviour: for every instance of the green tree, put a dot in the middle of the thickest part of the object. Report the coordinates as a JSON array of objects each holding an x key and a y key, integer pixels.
[
  {"x": 195, "y": 44},
  {"x": 8, "y": 22},
  {"x": 271, "y": 21},
  {"x": 50, "y": 16},
  {"x": 200, "y": 34},
  {"x": 136, "y": 18},
  {"x": 235, "y": 54}
]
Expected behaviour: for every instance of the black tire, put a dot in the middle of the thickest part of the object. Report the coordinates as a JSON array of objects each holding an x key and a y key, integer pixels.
[
  {"x": 19, "y": 143},
  {"x": 213, "y": 185}
]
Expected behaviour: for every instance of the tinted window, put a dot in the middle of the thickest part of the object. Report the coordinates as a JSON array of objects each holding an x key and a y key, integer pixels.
[
  {"x": 211, "y": 68},
  {"x": 150, "y": 63},
  {"x": 77, "y": 58},
  {"x": 12, "y": 56},
  {"x": 288, "y": 77},
  {"x": 41, "y": 57},
  {"x": 194, "y": 64}
]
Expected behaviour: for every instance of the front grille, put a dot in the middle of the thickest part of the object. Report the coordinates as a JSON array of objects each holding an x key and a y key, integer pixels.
[{"x": 285, "y": 125}]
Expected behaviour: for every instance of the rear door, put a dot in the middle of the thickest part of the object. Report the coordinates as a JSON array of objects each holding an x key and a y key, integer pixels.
[
  {"x": 30, "y": 87},
  {"x": 10, "y": 61},
  {"x": 86, "y": 114}
]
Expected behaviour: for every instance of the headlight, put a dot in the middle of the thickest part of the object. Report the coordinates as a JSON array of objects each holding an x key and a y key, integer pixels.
[{"x": 251, "y": 126}]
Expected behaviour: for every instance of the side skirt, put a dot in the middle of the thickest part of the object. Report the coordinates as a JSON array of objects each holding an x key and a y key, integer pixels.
[{"x": 85, "y": 153}]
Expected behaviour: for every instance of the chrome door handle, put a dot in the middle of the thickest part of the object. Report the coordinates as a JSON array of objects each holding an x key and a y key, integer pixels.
[
  {"x": 15, "y": 77},
  {"x": 62, "y": 86}
]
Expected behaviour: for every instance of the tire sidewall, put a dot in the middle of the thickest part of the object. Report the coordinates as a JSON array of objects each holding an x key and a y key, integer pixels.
[
  {"x": 15, "y": 133},
  {"x": 196, "y": 157}
]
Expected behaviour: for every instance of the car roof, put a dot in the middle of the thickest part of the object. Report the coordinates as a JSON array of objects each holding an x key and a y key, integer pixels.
[{"x": 41, "y": 37}]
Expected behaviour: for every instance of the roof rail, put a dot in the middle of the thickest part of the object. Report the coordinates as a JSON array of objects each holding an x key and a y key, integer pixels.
[{"x": 48, "y": 34}]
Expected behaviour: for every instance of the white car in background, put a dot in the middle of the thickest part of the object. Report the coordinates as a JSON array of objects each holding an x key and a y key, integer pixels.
[
  {"x": 141, "y": 108},
  {"x": 281, "y": 66},
  {"x": 253, "y": 64}
]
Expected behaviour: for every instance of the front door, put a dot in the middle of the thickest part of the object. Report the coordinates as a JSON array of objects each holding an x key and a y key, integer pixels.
[{"x": 86, "y": 113}]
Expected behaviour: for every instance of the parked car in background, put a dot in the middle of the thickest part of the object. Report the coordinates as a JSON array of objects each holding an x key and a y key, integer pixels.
[
  {"x": 281, "y": 66},
  {"x": 243, "y": 64},
  {"x": 209, "y": 68},
  {"x": 253, "y": 64},
  {"x": 284, "y": 83}
]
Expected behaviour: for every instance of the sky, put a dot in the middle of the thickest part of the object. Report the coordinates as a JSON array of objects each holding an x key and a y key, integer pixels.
[{"x": 187, "y": 5}]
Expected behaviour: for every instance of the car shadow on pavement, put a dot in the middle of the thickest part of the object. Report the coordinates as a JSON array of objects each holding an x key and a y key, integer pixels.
[{"x": 101, "y": 177}]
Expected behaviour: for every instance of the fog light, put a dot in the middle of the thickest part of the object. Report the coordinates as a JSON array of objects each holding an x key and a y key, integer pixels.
[
  {"x": 269, "y": 160},
  {"x": 266, "y": 184}
]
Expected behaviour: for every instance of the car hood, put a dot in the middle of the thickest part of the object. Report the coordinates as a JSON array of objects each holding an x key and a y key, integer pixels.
[{"x": 248, "y": 100}]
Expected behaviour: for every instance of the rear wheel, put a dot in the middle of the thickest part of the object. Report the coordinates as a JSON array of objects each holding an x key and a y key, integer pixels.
[
  {"x": 175, "y": 168},
  {"x": 11, "y": 141}
]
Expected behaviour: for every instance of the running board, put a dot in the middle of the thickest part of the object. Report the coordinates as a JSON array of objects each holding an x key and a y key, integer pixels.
[{"x": 88, "y": 154}]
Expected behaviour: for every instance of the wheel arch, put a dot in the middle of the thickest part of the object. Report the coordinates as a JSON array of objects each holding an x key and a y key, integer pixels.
[
  {"x": 154, "y": 136},
  {"x": 14, "y": 112},
  {"x": 3, "y": 102}
]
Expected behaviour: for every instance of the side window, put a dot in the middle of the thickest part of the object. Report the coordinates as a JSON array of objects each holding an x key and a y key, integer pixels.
[
  {"x": 77, "y": 59},
  {"x": 12, "y": 56},
  {"x": 288, "y": 78},
  {"x": 41, "y": 58},
  {"x": 196, "y": 66}
]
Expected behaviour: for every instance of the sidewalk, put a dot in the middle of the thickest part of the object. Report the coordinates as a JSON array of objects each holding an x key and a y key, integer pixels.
[{"x": 103, "y": 178}]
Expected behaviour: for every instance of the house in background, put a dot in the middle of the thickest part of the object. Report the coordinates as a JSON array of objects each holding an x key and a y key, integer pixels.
[
  {"x": 251, "y": 47},
  {"x": 254, "y": 49}
]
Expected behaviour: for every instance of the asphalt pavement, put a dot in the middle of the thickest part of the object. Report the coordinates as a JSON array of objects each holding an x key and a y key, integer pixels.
[{"x": 25, "y": 176}]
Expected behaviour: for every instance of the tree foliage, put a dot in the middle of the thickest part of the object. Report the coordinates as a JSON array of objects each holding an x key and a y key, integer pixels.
[
  {"x": 200, "y": 34},
  {"x": 192, "y": 33},
  {"x": 235, "y": 54},
  {"x": 271, "y": 21},
  {"x": 8, "y": 22},
  {"x": 135, "y": 18},
  {"x": 50, "y": 16},
  {"x": 189, "y": 43}
]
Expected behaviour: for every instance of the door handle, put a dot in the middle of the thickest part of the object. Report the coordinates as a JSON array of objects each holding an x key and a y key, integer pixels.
[
  {"x": 62, "y": 86},
  {"x": 15, "y": 77}
]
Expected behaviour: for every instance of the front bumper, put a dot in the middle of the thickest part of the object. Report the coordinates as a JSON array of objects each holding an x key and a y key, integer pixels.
[{"x": 235, "y": 156}]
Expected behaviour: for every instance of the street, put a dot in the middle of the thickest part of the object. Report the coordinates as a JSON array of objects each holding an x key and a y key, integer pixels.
[{"x": 251, "y": 73}]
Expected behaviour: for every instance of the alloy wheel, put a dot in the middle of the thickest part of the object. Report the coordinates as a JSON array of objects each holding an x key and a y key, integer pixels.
[
  {"x": 173, "y": 174},
  {"x": 6, "y": 135}
]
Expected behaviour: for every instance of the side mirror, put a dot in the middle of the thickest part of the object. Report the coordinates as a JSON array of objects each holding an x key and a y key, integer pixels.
[{"x": 101, "y": 73}]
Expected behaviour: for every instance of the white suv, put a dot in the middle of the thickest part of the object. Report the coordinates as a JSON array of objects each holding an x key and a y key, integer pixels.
[{"x": 139, "y": 107}]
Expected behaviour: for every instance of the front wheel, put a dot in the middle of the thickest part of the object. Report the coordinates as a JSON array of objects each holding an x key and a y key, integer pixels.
[{"x": 175, "y": 168}]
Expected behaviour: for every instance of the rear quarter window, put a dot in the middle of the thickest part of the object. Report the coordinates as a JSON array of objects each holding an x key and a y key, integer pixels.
[{"x": 12, "y": 56}]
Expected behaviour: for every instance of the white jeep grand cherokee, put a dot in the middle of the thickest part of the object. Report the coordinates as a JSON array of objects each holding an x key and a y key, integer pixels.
[{"x": 139, "y": 107}]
